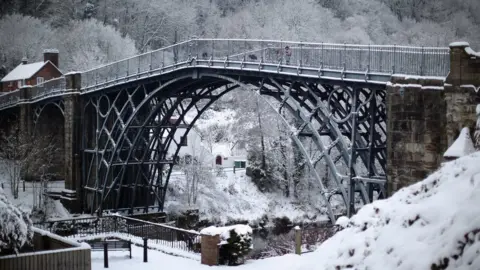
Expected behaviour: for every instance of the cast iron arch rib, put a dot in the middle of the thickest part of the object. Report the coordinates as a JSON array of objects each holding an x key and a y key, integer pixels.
[{"x": 133, "y": 138}]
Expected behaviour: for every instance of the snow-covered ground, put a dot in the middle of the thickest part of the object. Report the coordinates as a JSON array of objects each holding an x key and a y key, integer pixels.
[
  {"x": 119, "y": 260},
  {"x": 434, "y": 224},
  {"x": 29, "y": 198},
  {"x": 436, "y": 221},
  {"x": 234, "y": 197}
]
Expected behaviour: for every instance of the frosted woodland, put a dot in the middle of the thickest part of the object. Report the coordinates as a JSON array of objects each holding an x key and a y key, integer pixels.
[{"x": 92, "y": 32}]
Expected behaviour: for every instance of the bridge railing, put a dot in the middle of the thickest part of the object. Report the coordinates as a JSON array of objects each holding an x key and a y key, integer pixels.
[
  {"x": 48, "y": 88},
  {"x": 380, "y": 59},
  {"x": 9, "y": 99}
]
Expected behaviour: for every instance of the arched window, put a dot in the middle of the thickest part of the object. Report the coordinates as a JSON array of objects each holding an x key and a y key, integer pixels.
[{"x": 218, "y": 160}]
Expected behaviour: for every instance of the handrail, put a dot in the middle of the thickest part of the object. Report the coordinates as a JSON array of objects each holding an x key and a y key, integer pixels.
[
  {"x": 340, "y": 59},
  {"x": 158, "y": 224},
  {"x": 385, "y": 59},
  {"x": 137, "y": 55}
]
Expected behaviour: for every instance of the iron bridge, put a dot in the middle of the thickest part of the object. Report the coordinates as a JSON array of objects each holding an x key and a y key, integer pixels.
[{"x": 335, "y": 93}]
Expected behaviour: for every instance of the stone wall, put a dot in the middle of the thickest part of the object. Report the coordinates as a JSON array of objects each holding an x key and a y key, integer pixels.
[
  {"x": 415, "y": 124},
  {"x": 462, "y": 90},
  {"x": 425, "y": 116}
]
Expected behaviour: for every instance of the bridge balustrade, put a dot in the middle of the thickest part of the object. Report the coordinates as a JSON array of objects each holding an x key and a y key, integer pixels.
[
  {"x": 267, "y": 54},
  {"x": 48, "y": 88},
  {"x": 9, "y": 99},
  {"x": 381, "y": 59}
]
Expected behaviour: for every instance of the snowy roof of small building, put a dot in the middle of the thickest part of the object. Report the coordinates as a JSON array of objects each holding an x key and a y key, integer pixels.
[
  {"x": 462, "y": 146},
  {"x": 222, "y": 149},
  {"x": 459, "y": 44},
  {"x": 24, "y": 71}
]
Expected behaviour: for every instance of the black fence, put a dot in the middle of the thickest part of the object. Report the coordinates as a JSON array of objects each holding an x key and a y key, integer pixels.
[{"x": 156, "y": 233}]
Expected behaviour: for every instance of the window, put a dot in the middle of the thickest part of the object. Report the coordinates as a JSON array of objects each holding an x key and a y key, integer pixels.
[
  {"x": 218, "y": 160},
  {"x": 10, "y": 84},
  {"x": 183, "y": 141},
  {"x": 40, "y": 80},
  {"x": 19, "y": 84},
  {"x": 240, "y": 164}
]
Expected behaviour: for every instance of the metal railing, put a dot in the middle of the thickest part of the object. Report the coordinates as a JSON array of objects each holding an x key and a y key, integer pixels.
[
  {"x": 48, "y": 88},
  {"x": 9, "y": 99},
  {"x": 322, "y": 59},
  {"x": 368, "y": 59},
  {"x": 156, "y": 233}
]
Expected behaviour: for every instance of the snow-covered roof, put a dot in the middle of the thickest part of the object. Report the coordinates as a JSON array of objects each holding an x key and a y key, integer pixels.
[
  {"x": 24, "y": 71},
  {"x": 459, "y": 44},
  {"x": 471, "y": 52},
  {"x": 462, "y": 146},
  {"x": 222, "y": 149}
]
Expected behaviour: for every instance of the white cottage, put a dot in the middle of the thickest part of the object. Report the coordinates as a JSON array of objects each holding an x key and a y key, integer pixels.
[
  {"x": 225, "y": 155},
  {"x": 229, "y": 155}
]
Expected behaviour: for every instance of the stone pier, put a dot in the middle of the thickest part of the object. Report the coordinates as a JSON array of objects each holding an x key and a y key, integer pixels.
[{"x": 425, "y": 116}]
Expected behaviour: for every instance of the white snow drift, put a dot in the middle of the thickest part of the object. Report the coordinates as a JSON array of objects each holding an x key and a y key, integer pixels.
[{"x": 433, "y": 222}]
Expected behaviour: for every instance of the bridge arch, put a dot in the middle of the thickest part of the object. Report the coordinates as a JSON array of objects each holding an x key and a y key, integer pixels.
[
  {"x": 137, "y": 135},
  {"x": 48, "y": 131}
]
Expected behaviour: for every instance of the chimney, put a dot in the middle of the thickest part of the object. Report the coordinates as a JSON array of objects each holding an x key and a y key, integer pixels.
[
  {"x": 51, "y": 55},
  {"x": 24, "y": 60}
]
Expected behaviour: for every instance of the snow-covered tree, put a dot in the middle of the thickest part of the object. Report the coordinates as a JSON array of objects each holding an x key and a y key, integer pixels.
[
  {"x": 25, "y": 155},
  {"x": 22, "y": 36},
  {"x": 197, "y": 170},
  {"x": 15, "y": 227},
  {"x": 89, "y": 43},
  {"x": 477, "y": 130}
]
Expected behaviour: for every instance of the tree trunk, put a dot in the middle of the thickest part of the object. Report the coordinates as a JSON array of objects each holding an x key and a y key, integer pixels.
[
  {"x": 262, "y": 139},
  {"x": 299, "y": 163}
]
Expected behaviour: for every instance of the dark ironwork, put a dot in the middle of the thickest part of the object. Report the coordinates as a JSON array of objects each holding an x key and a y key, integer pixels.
[
  {"x": 128, "y": 133},
  {"x": 335, "y": 93},
  {"x": 159, "y": 234}
]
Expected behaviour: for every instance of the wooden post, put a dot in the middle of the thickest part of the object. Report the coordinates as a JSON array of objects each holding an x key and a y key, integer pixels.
[
  {"x": 145, "y": 251},
  {"x": 298, "y": 240},
  {"x": 105, "y": 254}
]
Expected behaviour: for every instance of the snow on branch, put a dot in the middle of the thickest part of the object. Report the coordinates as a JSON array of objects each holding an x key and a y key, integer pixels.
[{"x": 15, "y": 226}]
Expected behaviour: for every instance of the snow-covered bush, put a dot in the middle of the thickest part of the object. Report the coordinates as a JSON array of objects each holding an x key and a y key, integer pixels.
[
  {"x": 15, "y": 227},
  {"x": 235, "y": 242},
  {"x": 112, "y": 224}
]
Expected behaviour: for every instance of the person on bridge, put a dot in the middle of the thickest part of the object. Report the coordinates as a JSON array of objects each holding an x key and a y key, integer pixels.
[{"x": 288, "y": 54}]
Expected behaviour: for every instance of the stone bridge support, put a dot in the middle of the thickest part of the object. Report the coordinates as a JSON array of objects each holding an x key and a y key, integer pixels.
[
  {"x": 462, "y": 90},
  {"x": 72, "y": 140},
  {"x": 425, "y": 115}
]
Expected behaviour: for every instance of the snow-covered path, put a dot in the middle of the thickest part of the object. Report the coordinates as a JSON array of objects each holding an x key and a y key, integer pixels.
[{"x": 119, "y": 260}]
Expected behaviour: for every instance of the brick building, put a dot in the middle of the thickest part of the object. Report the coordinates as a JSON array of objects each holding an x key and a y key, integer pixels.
[{"x": 33, "y": 73}]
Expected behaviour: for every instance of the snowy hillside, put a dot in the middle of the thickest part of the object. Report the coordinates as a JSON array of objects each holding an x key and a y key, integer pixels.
[
  {"x": 434, "y": 224},
  {"x": 234, "y": 197}
]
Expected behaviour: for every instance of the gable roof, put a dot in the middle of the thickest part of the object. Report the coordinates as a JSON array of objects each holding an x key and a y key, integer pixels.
[
  {"x": 462, "y": 146},
  {"x": 25, "y": 71}
]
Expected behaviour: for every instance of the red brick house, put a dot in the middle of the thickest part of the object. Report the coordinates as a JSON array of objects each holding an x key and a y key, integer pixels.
[{"x": 33, "y": 73}]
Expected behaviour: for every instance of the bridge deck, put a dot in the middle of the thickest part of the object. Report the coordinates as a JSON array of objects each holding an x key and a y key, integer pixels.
[{"x": 373, "y": 64}]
